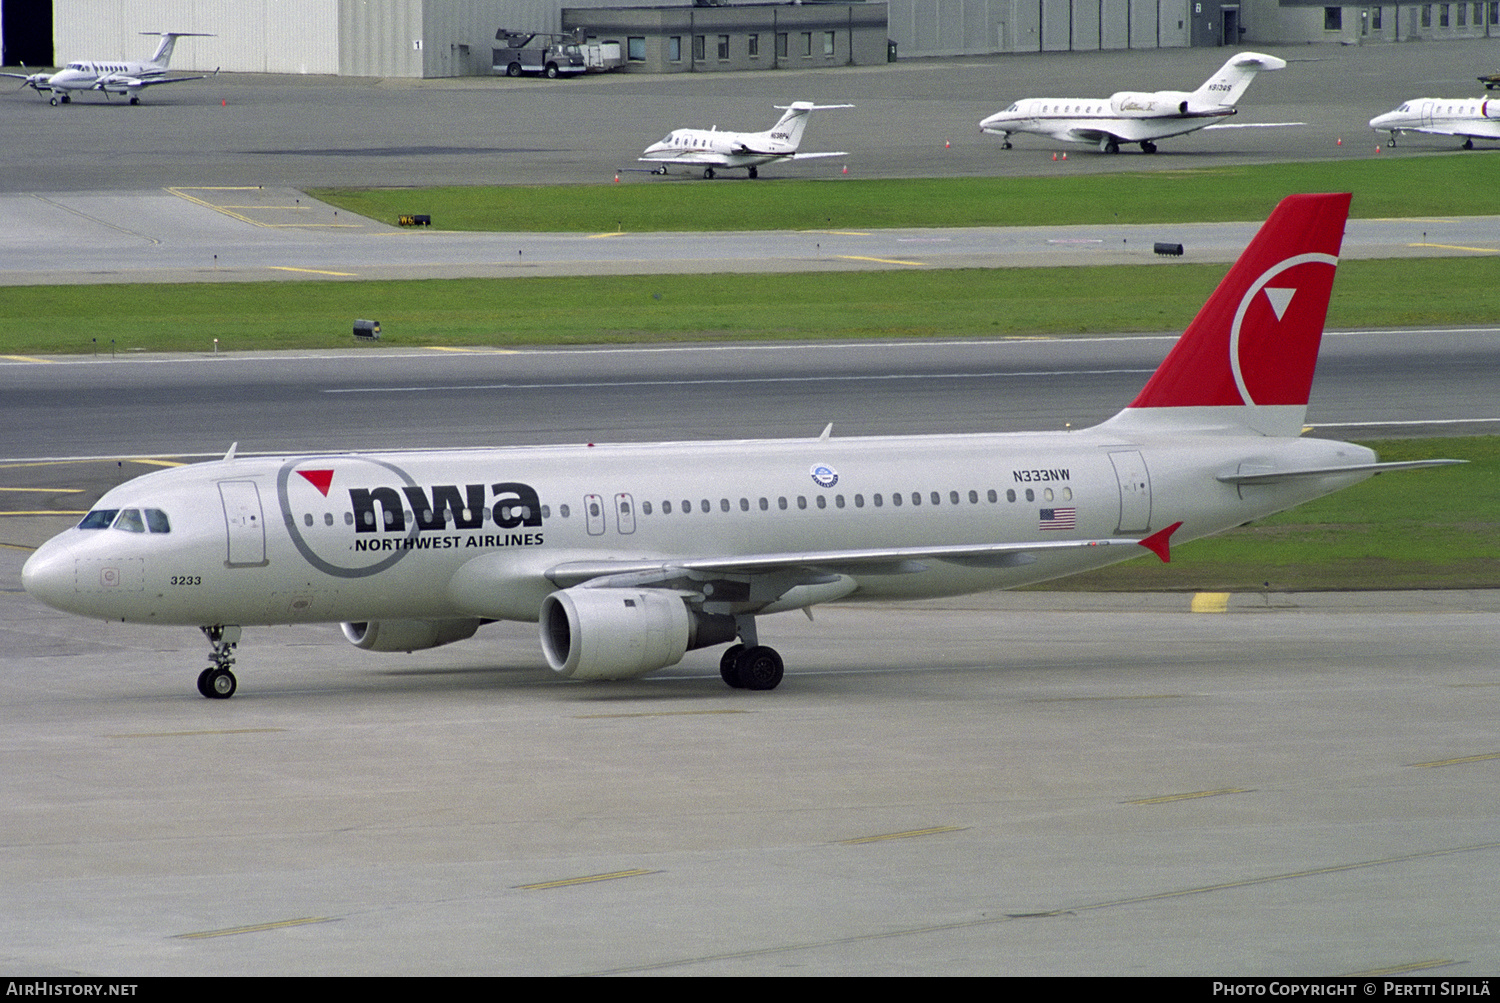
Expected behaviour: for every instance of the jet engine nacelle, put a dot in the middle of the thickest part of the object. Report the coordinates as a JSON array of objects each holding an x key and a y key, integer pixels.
[
  {"x": 409, "y": 635},
  {"x": 623, "y": 633},
  {"x": 1152, "y": 104}
]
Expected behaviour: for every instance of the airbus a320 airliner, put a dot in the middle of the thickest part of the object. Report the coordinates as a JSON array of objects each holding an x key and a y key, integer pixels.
[{"x": 630, "y": 555}]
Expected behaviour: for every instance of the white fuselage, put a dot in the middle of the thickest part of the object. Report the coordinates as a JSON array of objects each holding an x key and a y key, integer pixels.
[
  {"x": 711, "y": 147},
  {"x": 1475, "y": 118},
  {"x": 115, "y": 78},
  {"x": 258, "y": 541},
  {"x": 1128, "y": 118}
]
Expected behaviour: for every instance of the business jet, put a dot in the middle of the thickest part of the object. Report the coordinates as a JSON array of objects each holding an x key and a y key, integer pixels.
[
  {"x": 1471, "y": 118},
  {"x": 126, "y": 79},
  {"x": 1132, "y": 116},
  {"x": 628, "y": 556},
  {"x": 710, "y": 148}
]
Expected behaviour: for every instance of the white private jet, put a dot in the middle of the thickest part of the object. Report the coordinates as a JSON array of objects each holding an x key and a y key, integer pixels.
[
  {"x": 1471, "y": 118},
  {"x": 710, "y": 148},
  {"x": 1132, "y": 116},
  {"x": 628, "y": 556},
  {"x": 122, "y": 78}
]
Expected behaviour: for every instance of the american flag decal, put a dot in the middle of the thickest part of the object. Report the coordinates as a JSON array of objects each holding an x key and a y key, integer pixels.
[{"x": 1058, "y": 518}]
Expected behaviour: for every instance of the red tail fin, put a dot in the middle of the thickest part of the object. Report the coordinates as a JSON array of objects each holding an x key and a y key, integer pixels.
[{"x": 1247, "y": 359}]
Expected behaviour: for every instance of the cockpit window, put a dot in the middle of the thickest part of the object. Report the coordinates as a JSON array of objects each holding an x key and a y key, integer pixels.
[
  {"x": 100, "y": 518},
  {"x": 157, "y": 521},
  {"x": 130, "y": 521}
]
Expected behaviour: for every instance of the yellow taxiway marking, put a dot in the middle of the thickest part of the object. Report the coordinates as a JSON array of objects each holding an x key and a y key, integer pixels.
[
  {"x": 155, "y": 463},
  {"x": 190, "y": 734},
  {"x": 55, "y": 491},
  {"x": 23, "y": 358},
  {"x": 616, "y": 233},
  {"x": 1459, "y": 761},
  {"x": 586, "y": 879},
  {"x": 657, "y": 713},
  {"x": 256, "y": 928},
  {"x": 312, "y": 271},
  {"x": 1459, "y": 247},
  {"x": 182, "y": 193},
  {"x": 882, "y": 261},
  {"x": 476, "y": 351},
  {"x": 1166, "y": 798},
  {"x": 1210, "y": 602},
  {"x": 910, "y": 834}
]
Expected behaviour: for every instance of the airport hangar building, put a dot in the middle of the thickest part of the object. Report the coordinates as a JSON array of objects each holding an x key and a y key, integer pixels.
[{"x": 446, "y": 38}]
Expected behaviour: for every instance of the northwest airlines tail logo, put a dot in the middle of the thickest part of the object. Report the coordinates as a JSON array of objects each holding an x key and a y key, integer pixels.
[{"x": 362, "y": 515}]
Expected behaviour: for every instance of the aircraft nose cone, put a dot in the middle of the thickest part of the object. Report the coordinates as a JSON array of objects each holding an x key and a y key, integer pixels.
[
  {"x": 1379, "y": 121},
  {"x": 48, "y": 574}
]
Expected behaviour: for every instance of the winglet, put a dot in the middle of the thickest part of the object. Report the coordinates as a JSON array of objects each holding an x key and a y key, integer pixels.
[
  {"x": 232, "y": 447},
  {"x": 1159, "y": 543}
]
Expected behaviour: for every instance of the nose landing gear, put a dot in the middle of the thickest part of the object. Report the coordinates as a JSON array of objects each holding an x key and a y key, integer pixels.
[{"x": 216, "y": 682}]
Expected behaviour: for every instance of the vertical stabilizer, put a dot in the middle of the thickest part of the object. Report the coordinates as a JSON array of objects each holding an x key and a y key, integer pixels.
[
  {"x": 163, "y": 54},
  {"x": 1246, "y": 361},
  {"x": 1225, "y": 87}
]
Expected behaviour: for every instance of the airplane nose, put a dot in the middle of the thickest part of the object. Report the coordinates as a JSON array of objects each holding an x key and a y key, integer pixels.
[{"x": 48, "y": 574}]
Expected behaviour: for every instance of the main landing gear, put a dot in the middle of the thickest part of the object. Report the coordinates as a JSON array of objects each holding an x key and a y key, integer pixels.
[
  {"x": 216, "y": 682},
  {"x": 1147, "y": 146},
  {"x": 750, "y": 666},
  {"x": 1109, "y": 144},
  {"x": 708, "y": 174}
]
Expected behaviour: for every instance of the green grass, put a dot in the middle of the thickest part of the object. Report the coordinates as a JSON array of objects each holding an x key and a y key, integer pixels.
[
  {"x": 900, "y": 304},
  {"x": 1454, "y": 184},
  {"x": 1417, "y": 529}
]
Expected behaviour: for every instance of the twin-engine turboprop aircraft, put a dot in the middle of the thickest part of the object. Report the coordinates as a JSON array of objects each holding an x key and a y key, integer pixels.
[
  {"x": 1132, "y": 116},
  {"x": 122, "y": 77},
  {"x": 710, "y": 148},
  {"x": 631, "y": 555},
  {"x": 1469, "y": 118}
]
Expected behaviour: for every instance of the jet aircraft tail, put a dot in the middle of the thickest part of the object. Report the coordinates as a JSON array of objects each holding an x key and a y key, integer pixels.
[
  {"x": 1245, "y": 363},
  {"x": 790, "y": 126},
  {"x": 1224, "y": 88}
]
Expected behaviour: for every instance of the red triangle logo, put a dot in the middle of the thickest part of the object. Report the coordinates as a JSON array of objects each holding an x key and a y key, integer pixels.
[{"x": 320, "y": 479}]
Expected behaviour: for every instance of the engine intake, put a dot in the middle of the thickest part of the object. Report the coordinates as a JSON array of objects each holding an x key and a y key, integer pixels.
[{"x": 623, "y": 633}]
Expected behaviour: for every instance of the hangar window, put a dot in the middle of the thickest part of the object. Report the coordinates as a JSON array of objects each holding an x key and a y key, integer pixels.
[
  {"x": 674, "y": 49},
  {"x": 100, "y": 518},
  {"x": 1463, "y": 14},
  {"x": 807, "y": 43},
  {"x": 635, "y": 49},
  {"x": 828, "y": 41},
  {"x": 1333, "y": 18},
  {"x": 700, "y": 47},
  {"x": 723, "y": 46},
  {"x": 1427, "y": 15},
  {"x": 781, "y": 44},
  {"x": 1442, "y": 15},
  {"x": 752, "y": 45}
]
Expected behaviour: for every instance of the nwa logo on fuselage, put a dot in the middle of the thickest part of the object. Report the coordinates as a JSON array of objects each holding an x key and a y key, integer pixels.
[
  {"x": 513, "y": 504},
  {"x": 389, "y": 516}
]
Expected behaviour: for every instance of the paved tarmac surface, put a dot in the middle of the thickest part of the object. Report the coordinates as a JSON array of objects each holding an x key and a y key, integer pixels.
[
  {"x": 259, "y": 235},
  {"x": 1011, "y": 784}
]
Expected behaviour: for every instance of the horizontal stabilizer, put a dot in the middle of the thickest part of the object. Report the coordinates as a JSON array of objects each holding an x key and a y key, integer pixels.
[{"x": 1278, "y": 476}]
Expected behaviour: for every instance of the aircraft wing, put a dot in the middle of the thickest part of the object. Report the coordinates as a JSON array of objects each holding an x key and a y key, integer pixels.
[
  {"x": 137, "y": 83},
  {"x": 702, "y": 158},
  {"x": 881, "y": 560}
]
